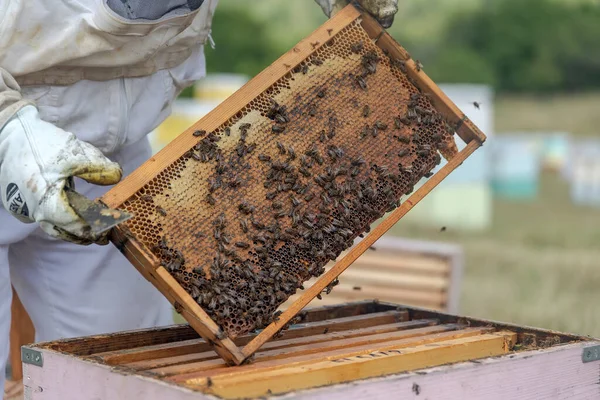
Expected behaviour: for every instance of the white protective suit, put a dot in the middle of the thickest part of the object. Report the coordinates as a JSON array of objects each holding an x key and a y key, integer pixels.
[{"x": 110, "y": 80}]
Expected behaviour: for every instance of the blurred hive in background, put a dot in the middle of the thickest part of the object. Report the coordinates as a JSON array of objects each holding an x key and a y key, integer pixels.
[{"x": 446, "y": 206}]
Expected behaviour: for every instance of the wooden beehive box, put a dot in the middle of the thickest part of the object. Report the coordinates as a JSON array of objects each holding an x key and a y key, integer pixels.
[
  {"x": 253, "y": 200},
  {"x": 362, "y": 350}
]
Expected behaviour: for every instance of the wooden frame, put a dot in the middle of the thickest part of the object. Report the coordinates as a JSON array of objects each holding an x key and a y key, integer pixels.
[
  {"x": 148, "y": 265},
  {"x": 411, "y": 351}
]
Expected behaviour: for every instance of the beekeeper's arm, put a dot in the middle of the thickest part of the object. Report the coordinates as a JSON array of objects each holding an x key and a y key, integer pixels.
[
  {"x": 36, "y": 158},
  {"x": 382, "y": 10}
]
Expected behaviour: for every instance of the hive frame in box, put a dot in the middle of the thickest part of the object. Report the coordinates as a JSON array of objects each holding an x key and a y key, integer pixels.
[{"x": 148, "y": 264}]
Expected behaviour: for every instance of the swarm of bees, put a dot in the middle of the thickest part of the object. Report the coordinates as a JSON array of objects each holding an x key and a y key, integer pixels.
[{"x": 317, "y": 198}]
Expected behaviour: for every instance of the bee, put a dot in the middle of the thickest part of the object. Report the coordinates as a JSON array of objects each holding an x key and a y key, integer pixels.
[
  {"x": 199, "y": 133},
  {"x": 197, "y": 157},
  {"x": 250, "y": 148},
  {"x": 428, "y": 175},
  {"x": 403, "y": 152},
  {"x": 291, "y": 153},
  {"x": 476, "y": 104},
  {"x": 309, "y": 197},
  {"x": 374, "y": 131},
  {"x": 210, "y": 200},
  {"x": 242, "y": 245},
  {"x": 271, "y": 195},
  {"x": 245, "y": 126},
  {"x": 304, "y": 69},
  {"x": 304, "y": 171},
  {"x": 244, "y": 225},
  {"x": 161, "y": 211},
  {"x": 418, "y": 65},
  {"x": 380, "y": 125},
  {"x": 423, "y": 152},
  {"x": 317, "y": 61},
  {"x": 357, "y": 47},
  {"x": 276, "y": 205},
  {"x": 321, "y": 93},
  {"x": 361, "y": 82},
  {"x": 277, "y": 128},
  {"x": 228, "y": 131},
  {"x": 213, "y": 184},
  {"x": 322, "y": 136},
  {"x": 280, "y": 214},
  {"x": 146, "y": 197},
  {"x": 295, "y": 202},
  {"x": 404, "y": 139},
  {"x": 312, "y": 110},
  {"x": 246, "y": 208},
  {"x": 264, "y": 158},
  {"x": 281, "y": 148},
  {"x": 366, "y": 111}
]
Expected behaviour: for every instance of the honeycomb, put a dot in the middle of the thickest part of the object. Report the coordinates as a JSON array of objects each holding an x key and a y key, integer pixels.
[{"x": 261, "y": 204}]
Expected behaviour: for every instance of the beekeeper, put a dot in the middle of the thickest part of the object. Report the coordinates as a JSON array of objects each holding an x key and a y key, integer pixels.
[{"x": 82, "y": 82}]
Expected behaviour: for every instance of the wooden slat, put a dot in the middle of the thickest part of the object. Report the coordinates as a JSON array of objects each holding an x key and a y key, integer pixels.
[
  {"x": 284, "y": 353},
  {"x": 374, "y": 277},
  {"x": 198, "y": 378},
  {"x": 130, "y": 355},
  {"x": 360, "y": 248},
  {"x": 352, "y": 368},
  {"x": 174, "y": 359},
  {"x": 401, "y": 262}
]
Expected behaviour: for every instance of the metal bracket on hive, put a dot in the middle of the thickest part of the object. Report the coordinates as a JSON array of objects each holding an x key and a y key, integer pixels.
[{"x": 135, "y": 238}]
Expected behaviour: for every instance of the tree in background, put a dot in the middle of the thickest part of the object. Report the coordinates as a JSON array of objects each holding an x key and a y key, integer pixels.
[{"x": 534, "y": 45}]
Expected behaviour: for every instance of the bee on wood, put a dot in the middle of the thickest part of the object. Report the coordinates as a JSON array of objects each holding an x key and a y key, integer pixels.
[
  {"x": 418, "y": 65},
  {"x": 199, "y": 133},
  {"x": 278, "y": 128},
  {"x": 161, "y": 211},
  {"x": 357, "y": 47}
]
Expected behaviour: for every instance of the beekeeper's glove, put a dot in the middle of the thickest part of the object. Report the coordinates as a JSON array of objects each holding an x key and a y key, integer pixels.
[
  {"x": 382, "y": 10},
  {"x": 36, "y": 160}
]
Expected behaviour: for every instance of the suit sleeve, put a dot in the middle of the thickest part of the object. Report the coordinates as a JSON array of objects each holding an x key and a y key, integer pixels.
[{"x": 11, "y": 100}]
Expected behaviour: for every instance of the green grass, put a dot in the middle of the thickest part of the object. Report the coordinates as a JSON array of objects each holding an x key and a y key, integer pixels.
[{"x": 538, "y": 265}]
